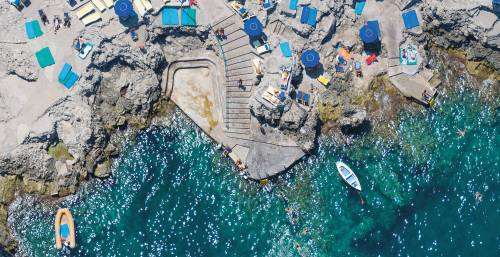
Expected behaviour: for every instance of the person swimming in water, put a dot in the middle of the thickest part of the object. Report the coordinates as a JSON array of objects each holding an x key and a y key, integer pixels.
[
  {"x": 479, "y": 197},
  {"x": 461, "y": 133}
]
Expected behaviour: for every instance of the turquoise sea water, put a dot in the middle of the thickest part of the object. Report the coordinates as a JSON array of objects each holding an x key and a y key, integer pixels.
[{"x": 174, "y": 195}]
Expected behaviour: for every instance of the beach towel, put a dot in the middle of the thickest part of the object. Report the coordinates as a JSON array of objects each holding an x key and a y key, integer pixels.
[
  {"x": 30, "y": 32},
  {"x": 285, "y": 49},
  {"x": 64, "y": 73},
  {"x": 73, "y": 78},
  {"x": 410, "y": 19},
  {"x": 33, "y": 29},
  {"x": 359, "y": 7},
  {"x": 304, "y": 17},
  {"x": 188, "y": 17},
  {"x": 170, "y": 16},
  {"x": 44, "y": 57},
  {"x": 293, "y": 5}
]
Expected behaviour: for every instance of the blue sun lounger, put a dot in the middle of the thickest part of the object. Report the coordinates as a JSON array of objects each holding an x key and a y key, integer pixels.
[
  {"x": 170, "y": 16},
  {"x": 67, "y": 77},
  {"x": 410, "y": 19},
  {"x": 188, "y": 17},
  {"x": 311, "y": 20},
  {"x": 33, "y": 29},
  {"x": 309, "y": 16},
  {"x": 360, "y": 5},
  {"x": 293, "y": 5},
  {"x": 285, "y": 49},
  {"x": 305, "y": 15}
]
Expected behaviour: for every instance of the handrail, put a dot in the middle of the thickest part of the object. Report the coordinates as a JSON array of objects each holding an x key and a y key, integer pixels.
[{"x": 219, "y": 43}]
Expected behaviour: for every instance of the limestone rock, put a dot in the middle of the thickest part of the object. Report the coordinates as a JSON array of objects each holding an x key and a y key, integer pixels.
[
  {"x": 103, "y": 170},
  {"x": 354, "y": 120},
  {"x": 20, "y": 63},
  {"x": 293, "y": 118}
]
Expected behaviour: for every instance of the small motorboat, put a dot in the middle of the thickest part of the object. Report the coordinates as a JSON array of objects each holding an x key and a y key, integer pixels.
[
  {"x": 65, "y": 229},
  {"x": 348, "y": 176}
]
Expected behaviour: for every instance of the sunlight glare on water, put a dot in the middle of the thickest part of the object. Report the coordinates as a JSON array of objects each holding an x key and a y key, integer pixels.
[{"x": 172, "y": 194}]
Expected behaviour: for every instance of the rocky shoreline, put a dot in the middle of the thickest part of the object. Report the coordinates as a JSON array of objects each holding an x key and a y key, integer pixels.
[{"x": 78, "y": 137}]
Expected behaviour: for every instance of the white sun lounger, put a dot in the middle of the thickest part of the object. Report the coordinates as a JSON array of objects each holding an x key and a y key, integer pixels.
[
  {"x": 147, "y": 4},
  {"x": 109, "y": 3},
  {"x": 141, "y": 10},
  {"x": 99, "y": 5},
  {"x": 91, "y": 18},
  {"x": 86, "y": 9}
]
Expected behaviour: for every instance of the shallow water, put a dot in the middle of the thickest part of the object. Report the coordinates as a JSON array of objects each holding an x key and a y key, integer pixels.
[{"x": 174, "y": 195}]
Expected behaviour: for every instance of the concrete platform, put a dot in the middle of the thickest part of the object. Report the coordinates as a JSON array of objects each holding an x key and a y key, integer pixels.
[{"x": 198, "y": 87}]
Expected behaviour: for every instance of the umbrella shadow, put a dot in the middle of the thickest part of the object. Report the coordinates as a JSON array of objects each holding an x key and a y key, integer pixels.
[
  {"x": 130, "y": 21},
  {"x": 316, "y": 71}
]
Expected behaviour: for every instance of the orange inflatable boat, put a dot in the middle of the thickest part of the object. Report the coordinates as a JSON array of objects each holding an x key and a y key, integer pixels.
[{"x": 65, "y": 229}]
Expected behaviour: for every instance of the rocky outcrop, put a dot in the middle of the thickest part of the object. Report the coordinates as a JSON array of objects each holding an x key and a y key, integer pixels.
[
  {"x": 468, "y": 25},
  {"x": 20, "y": 63}
]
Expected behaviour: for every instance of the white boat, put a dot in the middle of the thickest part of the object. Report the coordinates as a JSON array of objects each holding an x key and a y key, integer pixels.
[{"x": 348, "y": 176}]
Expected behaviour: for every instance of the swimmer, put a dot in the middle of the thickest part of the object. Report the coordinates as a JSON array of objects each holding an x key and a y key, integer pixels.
[
  {"x": 479, "y": 197},
  {"x": 461, "y": 133},
  {"x": 305, "y": 231}
]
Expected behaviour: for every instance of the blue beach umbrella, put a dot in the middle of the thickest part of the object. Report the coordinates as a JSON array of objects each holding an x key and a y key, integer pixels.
[
  {"x": 310, "y": 58},
  {"x": 123, "y": 8},
  {"x": 253, "y": 27},
  {"x": 369, "y": 33}
]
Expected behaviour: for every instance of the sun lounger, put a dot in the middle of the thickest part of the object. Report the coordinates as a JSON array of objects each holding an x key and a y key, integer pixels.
[
  {"x": 141, "y": 10},
  {"x": 306, "y": 99},
  {"x": 263, "y": 49},
  {"x": 147, "y": 4},
  {"x": 170, "y": 16},
  {"x": 44, "y": 57},
  {"x": 358, "y": 9},
  {"x": 324, "y": 80},
  {"x": 99, "y": 5},
  {"x": 86, "y": 48},
  {"x": 67, "y": 77},
  {"x": 91, "y": 18},
  {"x": 73, "y": 78},
  {"x": 188, "y": 17},
  {"x": 304, "y": 16},
  {"x": 270, "y": 98},
  {"x": 293, "y": 5},
  {"x": 109, "y": 3},
  {"x": 268, "y": 4},
  {"x": 86, "y": 9},
  {"x": 64, "y": 73},
  {"x": 285, "y": 49},
  {"x": 272, "y": 91},
  {"x": 311, "y": 19},
  {"x": 410, "y": 19},
  {"x": 30, "y": 31}
]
